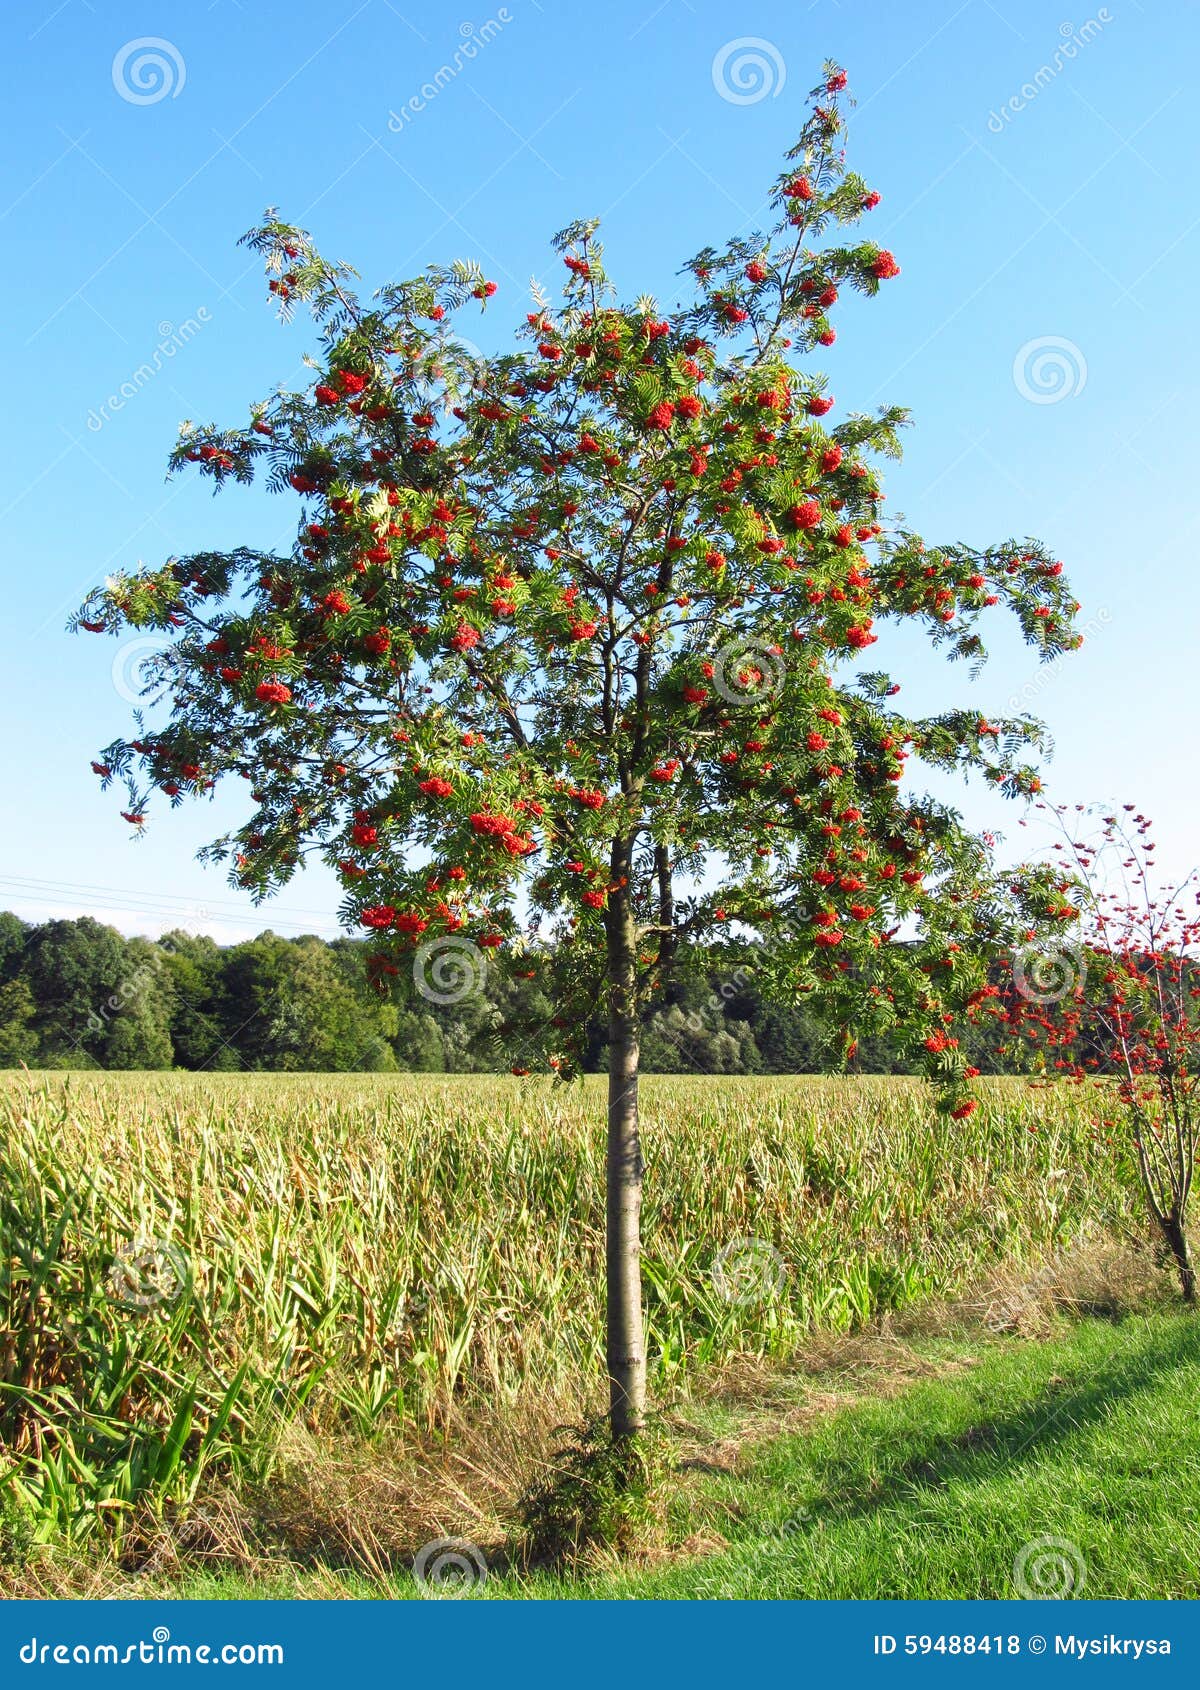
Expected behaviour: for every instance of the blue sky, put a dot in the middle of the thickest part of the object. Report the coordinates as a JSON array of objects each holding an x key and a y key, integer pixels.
[{"x": 1041, "y": 329}]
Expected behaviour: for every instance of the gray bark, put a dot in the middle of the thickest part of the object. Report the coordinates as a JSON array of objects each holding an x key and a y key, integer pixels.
[{"x": 626, "y": 1352}]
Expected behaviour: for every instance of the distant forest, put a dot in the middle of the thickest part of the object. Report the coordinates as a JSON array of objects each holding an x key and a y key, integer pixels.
[{"x": 77, "y": 994}]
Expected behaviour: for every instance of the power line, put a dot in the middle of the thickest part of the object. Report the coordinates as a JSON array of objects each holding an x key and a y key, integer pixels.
[
  {"x": 135, "y": 905},
  {"x": 160, "y": 898}
]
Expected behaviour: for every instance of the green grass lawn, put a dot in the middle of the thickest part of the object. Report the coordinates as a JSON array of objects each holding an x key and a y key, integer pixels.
[{"x": 1089, "y": 1437}]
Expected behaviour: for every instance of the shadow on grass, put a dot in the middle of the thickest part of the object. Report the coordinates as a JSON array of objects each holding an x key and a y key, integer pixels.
[
  {"x": 1009, "y": 1441},
  {"x": 916, "y": 1460}
]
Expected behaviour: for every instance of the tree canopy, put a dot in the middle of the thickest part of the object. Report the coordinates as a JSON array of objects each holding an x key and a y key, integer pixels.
[{"x": 576, "y": 637}]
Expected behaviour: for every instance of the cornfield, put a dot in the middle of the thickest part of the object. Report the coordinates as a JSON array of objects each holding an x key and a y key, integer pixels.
[{"x": 191, "y": 1262}]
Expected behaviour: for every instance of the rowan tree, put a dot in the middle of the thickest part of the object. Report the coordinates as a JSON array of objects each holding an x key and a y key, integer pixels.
[
  {"x": 570, "y": 664},
  {"x": 1113, "y": 1003}
]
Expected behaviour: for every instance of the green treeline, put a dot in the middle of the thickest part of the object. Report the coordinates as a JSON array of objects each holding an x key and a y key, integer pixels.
[{"x": 77, "y": 994}]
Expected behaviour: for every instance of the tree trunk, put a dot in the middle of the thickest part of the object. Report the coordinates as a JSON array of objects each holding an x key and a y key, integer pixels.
[
  {"x": 1177, "y": 1241},
  {"x": 626, "y": 1355},
  {"x": 668, "y": 943}
]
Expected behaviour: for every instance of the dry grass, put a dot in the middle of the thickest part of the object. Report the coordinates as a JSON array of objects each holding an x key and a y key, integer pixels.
[
  {"x": 365, "y": 1508},
  {"x": 390, "y": 1293}
]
